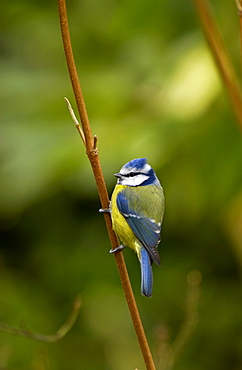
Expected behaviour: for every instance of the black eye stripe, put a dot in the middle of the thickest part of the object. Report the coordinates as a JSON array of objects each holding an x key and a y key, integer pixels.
[{"x": 132, "y": 174}]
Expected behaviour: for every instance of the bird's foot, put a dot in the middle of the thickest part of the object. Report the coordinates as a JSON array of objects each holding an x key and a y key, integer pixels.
[
  {"x": 117, "y": 249},
  {"x": 104, "y": 210}
]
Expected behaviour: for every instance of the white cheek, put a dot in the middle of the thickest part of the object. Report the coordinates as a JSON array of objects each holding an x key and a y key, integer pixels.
[{"x": 134, "y": 181}]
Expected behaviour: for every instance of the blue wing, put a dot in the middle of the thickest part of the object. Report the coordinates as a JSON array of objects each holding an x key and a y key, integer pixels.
[{"x": 144, "y": 228}]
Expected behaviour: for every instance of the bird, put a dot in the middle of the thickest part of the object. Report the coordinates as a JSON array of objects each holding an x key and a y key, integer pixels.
[{"x": 137, "y": 208}]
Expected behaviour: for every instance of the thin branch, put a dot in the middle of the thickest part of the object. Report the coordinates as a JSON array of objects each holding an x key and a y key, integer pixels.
[
  {"x": 221, "y": 56},
  {"x": 75, "y": 120},
  {"x": 92, "y": 154},
  {"x": 61, "y": 332}
]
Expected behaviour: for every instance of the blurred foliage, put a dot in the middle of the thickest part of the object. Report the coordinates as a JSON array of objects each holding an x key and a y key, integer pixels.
[{"x": 152, "y": 90}]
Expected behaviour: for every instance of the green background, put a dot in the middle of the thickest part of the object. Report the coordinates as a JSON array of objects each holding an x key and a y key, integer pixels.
[{"x": 151, "y": 90}]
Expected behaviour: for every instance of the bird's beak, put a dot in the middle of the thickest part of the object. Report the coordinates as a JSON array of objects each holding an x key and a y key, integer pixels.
[{"x": 118, "y": 175}]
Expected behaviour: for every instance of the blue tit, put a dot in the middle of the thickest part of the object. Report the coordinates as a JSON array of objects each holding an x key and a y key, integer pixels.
[{"x": 137, "y": 208}]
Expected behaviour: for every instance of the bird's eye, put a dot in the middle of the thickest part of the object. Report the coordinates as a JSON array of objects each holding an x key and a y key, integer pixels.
[{"x": 132, "y": 174}]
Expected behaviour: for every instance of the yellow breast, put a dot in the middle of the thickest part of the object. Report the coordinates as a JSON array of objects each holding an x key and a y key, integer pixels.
[{"x": 120, "y": 226}]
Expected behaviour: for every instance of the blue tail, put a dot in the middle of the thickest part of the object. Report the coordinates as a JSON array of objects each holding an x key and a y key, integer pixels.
[{"x": 146, "y": 273}]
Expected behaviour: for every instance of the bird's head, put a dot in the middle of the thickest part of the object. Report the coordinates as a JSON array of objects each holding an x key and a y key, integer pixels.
[{"x": 136, "y": 173}]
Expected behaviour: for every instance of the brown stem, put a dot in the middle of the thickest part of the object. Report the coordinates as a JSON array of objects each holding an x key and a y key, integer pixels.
[
  {"x": 92, "y": 154},
  {"x": 221, "y": 56}
]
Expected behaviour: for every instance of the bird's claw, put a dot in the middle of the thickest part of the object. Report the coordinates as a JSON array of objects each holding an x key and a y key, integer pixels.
[
  {"x": 117, "y": 249},
  {"x": 104, "y": 210}
]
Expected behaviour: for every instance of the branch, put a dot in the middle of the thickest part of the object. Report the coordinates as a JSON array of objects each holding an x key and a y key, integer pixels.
[
  {"x": 61, "y": 332},
  {"x": 75, "y": 120},
  {"x": 92, "y": 153},
  {"x": 221, "y": 56}
]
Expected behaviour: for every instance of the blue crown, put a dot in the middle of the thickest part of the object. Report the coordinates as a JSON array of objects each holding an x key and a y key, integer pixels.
[{"x": 137, "y": 164}]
